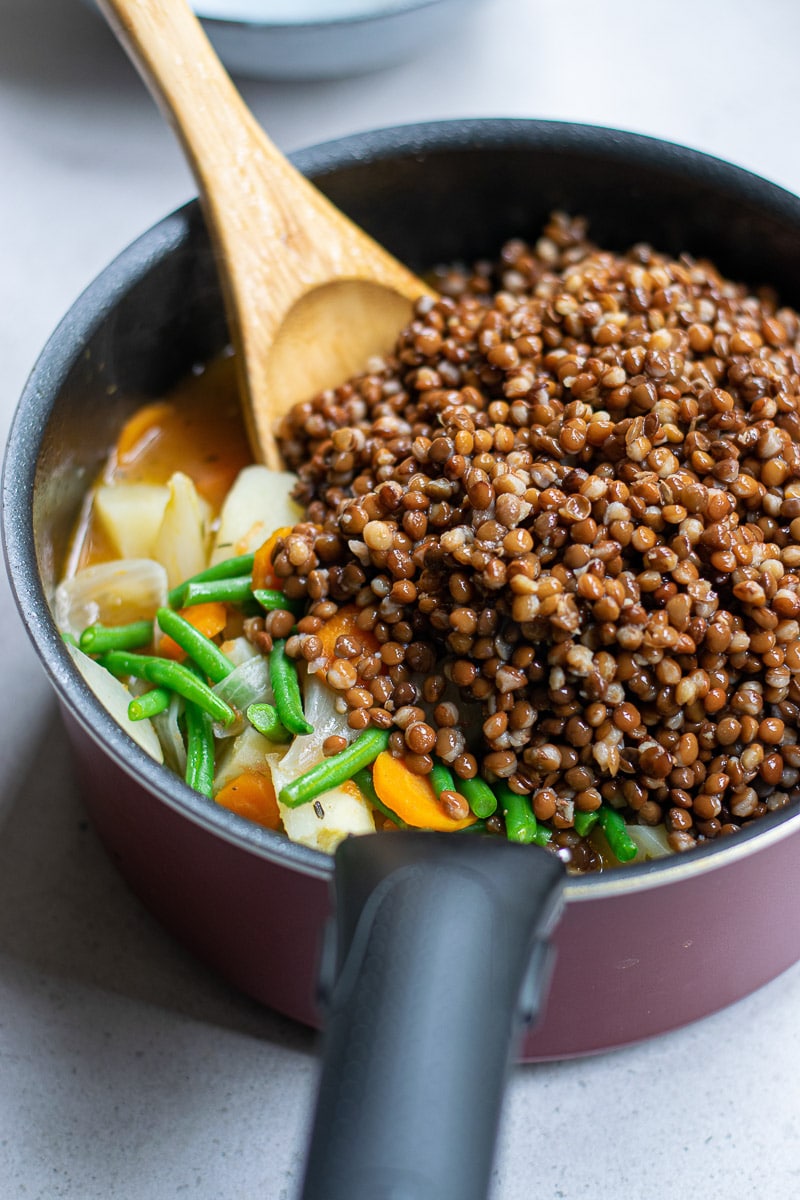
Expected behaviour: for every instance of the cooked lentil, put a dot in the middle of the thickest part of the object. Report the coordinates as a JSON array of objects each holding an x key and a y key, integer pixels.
[{"x": 568, "y": 508}]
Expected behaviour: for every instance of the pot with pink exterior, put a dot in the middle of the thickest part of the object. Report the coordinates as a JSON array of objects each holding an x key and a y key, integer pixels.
[{"x": 638, "y": 950}]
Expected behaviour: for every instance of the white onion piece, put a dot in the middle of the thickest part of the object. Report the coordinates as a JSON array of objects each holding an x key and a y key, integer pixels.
[
  {"x": 170, "y": 736},
  {"x": 319, "y": 706},
  {"x": 238, "y": 650},
  {"x": 651, "y": 840},
  {"x": 180, "y": 543},
  {"x": 247, "y": 684},
  {"x": 344, "y": 811},
  {"x": 115, "y": 698},
  {"x": 250, "y": 751},
  {"x": 258, "y": 503},
  {"x": 127, "y": 589}
]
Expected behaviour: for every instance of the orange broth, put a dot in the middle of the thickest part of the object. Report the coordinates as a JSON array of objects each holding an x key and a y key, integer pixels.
[{"x": 197, "y": 429}]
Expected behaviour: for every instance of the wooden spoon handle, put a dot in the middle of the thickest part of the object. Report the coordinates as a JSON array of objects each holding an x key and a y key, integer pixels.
[
  {"x": 246, "y": 184},
  {"x": 277, "y": 237},
  {"x": 250, "y": 188}
]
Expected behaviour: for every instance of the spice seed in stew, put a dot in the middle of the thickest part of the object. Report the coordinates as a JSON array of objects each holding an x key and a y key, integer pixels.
[{"x": 568, "y": 509}]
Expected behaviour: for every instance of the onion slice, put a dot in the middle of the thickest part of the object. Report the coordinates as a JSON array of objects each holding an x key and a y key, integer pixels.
[
  {"x": 247, "y": 684},
  {"x": 116, "y": 593},
  {"x": 115, "y": 697},
  {"x": 651, "y": 840},
  {"x": 170, "y": 736}
]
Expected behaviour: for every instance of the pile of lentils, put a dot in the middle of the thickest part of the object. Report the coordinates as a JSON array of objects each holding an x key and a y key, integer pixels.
[{"x": 568, "y": 510}]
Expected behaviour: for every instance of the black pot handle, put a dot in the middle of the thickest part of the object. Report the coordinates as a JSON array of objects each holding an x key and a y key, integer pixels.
[{"x": 440, "y": 958}]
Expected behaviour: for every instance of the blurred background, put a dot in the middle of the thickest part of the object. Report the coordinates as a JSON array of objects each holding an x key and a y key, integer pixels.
[{"x": 126, "y": 1069}]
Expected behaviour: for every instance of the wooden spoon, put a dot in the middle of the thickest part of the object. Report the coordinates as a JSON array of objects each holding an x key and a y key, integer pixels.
[{"x": 310, "y": 297}]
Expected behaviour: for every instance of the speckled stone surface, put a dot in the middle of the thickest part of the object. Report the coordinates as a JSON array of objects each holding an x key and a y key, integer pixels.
[{"x": 128, "y": 1071}]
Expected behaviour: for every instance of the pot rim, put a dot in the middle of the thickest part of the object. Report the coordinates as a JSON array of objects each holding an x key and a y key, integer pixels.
[{"x": 86, "y": 314}]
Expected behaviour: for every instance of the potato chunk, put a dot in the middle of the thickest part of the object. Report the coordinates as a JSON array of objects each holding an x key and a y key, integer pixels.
[
  {"x": 130, "y": 515},
  {"x": 258, "y": 503}
]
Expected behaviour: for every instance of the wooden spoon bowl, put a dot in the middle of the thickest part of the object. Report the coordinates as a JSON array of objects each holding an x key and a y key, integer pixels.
[{"x": 310, "y": 297}]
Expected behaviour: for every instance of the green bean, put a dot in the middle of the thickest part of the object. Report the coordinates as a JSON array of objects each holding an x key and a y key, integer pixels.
[
  {"x": 441, "y": 778},
  {"x": 199, "y": 750},
  {"x": 209, "y": 591},
  {"x": 363, "y": 781},
  {"x": 175, "y": 676},
  {"x": 241, "y": 565},
  {"x": 204, "y": 652},
  {"x": 482, "y": 799},
  {"x": 69, "y": 639},
  {"x": 264, "y": 718},
  {"x": 612, "y": 823},
  {"x": 149, "y": 704},
  {"x": 97, "y": 638},
  {"x": 521, "y": 824},
  {"x": 270, "y": 599},
  {"x": 335, "y": 770},
  {"x": 286, "y": 690},
  {"x": 584, "y": 822}
]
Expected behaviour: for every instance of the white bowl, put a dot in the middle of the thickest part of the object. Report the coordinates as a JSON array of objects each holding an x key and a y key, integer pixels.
[{"x": 319, "y": 39}]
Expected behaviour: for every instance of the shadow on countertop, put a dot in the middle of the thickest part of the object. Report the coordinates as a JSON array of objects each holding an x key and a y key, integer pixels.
[
  {"x": 65, "y": 912},
  {"x": 65, "y": 51},
  {"x": 128, "y": 1070}
]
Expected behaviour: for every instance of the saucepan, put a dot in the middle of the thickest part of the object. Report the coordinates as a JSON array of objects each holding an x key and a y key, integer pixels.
[{"x": 639, "y": 949}]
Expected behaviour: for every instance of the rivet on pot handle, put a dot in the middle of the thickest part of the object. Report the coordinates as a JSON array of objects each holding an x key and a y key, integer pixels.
[{"x": 441, "y": 959}]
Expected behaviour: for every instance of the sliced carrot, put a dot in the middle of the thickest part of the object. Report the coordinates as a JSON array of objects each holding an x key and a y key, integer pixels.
[
  {"x": 345, "y": 621},
  {"x": 209, "y": 618},
  {"x": 252, "y": 795},
  {"x": 144, "y": 425},
  {"x": 263, "y": 574},
  {"x": 200, "y": 431},
  {"x": 352, "y": 789},
  {"x": 411, "y": 796}
]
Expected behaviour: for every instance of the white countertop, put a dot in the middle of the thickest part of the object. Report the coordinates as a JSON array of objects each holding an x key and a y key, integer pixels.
[{"x": 126, "y": 1069}]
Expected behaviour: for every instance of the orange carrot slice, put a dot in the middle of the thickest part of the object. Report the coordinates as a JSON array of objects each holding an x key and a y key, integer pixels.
[
  {"x": 411, "y": 796},
  {"x": 144, "y": 425},
  {"x": 263, "y": 574},
  {"x": 209, "y": 618},
  {"x": 345, "y": 621},
  {"x": 200, "y": 431},
  {"x": 252, "y": 795}
]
